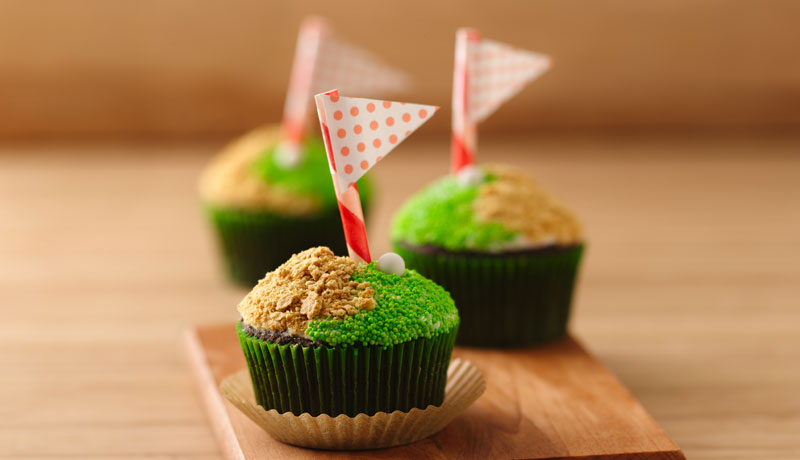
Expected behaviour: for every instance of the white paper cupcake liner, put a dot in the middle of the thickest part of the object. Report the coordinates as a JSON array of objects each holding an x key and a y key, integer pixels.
[{"x": 465, "y": 384}]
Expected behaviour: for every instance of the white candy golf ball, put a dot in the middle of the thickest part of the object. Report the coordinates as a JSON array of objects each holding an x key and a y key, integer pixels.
[
  {"x": 392, "y": 263},
  {"x": 471, "y": 175}
]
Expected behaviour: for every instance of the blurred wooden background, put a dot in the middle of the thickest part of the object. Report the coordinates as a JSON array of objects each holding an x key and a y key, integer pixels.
[
  {"x": 188, "y": 68},
  {"x": 689, "y": 291}
]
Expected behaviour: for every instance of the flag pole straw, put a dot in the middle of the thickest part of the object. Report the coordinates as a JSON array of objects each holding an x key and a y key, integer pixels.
[
  {"x": 313, "y": 31},
  {"x": 465, "y": 132},
  {"x": 355, "y": 231}
]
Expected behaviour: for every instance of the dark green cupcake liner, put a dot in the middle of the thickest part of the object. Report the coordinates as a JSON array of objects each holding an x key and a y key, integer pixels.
[
  {"x": 504, "y": 300},
  {"x": 253, "y": 243},
  {"x": 348, "y": 380}
]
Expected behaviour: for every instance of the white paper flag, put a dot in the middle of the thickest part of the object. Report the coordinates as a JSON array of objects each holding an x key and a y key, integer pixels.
[
  {"x": 323, "y": 61},
  {"x": 497, "y": 72},
  {"x": 363, "y": 131}
]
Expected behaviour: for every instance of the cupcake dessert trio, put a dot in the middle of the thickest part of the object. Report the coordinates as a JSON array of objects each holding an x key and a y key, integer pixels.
[{"x": 334, "y": 342}]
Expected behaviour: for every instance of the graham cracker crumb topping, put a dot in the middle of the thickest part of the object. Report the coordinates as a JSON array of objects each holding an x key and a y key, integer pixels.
[
  {"x": 229, "y": 179},
  {"x": 312, "y": 284},
  {"x": 521, "y": 205}
]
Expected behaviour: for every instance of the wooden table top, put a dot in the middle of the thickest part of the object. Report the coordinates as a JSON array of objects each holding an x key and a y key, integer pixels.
[{"x": 690, "y": 291}]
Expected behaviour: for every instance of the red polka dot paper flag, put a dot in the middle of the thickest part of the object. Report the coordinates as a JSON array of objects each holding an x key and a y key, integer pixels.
[
  {"x": 360, "y": 132},
  {"x": 323, "y": 61},
  {"x": 487, "y": 74},
  {"x": 497, "y": 72}
]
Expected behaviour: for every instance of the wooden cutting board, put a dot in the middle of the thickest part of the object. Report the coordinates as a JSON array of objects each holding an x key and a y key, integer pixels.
[{"x": 555, "y": 401}]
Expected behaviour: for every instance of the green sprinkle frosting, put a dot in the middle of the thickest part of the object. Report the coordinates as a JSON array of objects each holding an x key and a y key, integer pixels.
[
  {"x": 311, "y": 178},
  {"x": 442, "y": 215},
  {"x": 407, "y": 307}
]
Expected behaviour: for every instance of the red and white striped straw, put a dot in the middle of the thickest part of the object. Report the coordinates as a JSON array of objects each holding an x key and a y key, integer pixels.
[
  {"x": 313, "y": 31},
  {"x": 465, "y": 130},
  {"x": 355, "y": 231},
  {"x": 365, "y": 131}
]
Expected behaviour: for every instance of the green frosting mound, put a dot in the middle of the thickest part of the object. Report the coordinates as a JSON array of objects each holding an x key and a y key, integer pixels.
[
  {"x": 442, "y": 215},
  {"x": 407, "y": 307},
  {"x": 311, "y": 178}
]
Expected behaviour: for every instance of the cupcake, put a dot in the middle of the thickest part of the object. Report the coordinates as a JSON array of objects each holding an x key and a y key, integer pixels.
[
  {"x": 322, "y": 334},
  {"x": 507, "y": 252},
  {"x": 263, "y": 212}
]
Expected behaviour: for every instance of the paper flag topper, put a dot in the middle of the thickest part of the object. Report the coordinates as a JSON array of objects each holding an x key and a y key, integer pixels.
[
  {"x": 497, "y": 72},
  {"x": 363, "y": 131},
  {"x": 353, "y": 70},
  {"x": 358, "y": 133},
  {"x": 487, "y": 74},
  {"x": 323, "y": 61}
]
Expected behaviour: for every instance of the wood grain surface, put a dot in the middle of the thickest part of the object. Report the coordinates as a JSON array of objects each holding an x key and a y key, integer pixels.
[
  {"x": 689, "y": 294},
  {"x": 554, "y": 401},
  {"x": 113, "y": 68}
]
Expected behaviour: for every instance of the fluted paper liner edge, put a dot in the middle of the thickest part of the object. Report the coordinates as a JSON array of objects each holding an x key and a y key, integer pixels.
[{"x": 465, "y": 384}]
